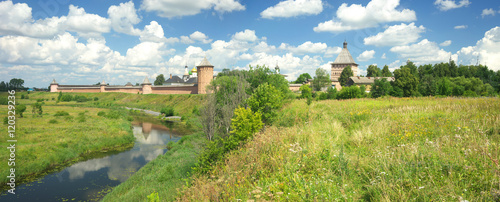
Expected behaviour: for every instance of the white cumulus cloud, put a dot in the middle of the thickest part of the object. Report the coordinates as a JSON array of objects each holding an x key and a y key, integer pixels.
[
  {"x": 293, "y": 8},
  {"x": 85, "y": 24},
  {"x": 460, "y": 27},
  {"x": 123, "y": 18},
  {"x": 178, "y": 8},
  {"x": 366, "y": 55},
  {"x": 306, "y": 47},
  {"x": 396, "y": 35},
  {"x": 356, "y": 16},
  {"x": 423, "y": 52},
  {"x": 486, "y": 49},
  {"x": 445, "y": 5},
  {"x": 445, "y": 43},
  {"x": 488, "y": 11}
]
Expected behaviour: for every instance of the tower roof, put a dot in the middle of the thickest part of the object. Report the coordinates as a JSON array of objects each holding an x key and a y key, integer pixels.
[
  {"x": 194, "y": 70},
  {"x": 146, "y": 81},
  {"x": 205, "y": 63},
  {"x": 54, "y": 81},
  {"x": 344, "y": 56}
]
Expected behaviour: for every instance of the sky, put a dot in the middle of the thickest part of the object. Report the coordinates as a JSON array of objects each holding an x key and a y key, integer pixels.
[{"x": 85, "y": 42}]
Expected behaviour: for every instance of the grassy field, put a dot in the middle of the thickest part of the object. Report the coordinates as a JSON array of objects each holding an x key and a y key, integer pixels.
[
  {"x": 50, "y": 141},
  {"x": 183, "y": 104},
  {"x": 390, "y": 149}
]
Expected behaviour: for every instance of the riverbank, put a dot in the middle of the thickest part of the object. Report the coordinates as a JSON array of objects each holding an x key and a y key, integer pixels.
[
  {"x": 391, "y": 149},
  {"x": 61, "y": 136}
]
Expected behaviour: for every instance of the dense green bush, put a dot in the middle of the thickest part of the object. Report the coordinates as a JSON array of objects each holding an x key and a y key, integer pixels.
[
  {"x": 101, "y": 113},
  {"x": 266, "y": 100},
  {"x": 168, "y": 111},
  {"x": 80, "y": 98},
  {"x": 61, "y": 113},
  {"x": 66, "y": 97},
  {"x": 53, "y": 121},
  {"x": 349, "y": 92}
]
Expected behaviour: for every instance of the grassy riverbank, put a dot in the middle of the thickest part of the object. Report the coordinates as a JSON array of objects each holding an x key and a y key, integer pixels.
[
  {"x": 61, "y": 136},
  {"x": 165, "y": 175},
  {"x": 385, "y": 149}
]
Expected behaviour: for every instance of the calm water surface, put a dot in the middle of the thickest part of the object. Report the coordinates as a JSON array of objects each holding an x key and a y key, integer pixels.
[{"x": 92, "y": 179}]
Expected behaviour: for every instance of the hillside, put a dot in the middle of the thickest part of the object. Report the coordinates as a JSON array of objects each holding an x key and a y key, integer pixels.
[{"x": 385, "y": 149}]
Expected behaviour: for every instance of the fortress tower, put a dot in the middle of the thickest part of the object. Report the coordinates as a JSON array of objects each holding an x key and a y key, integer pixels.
[
  {"x": 343, "y": 60},
  {"x": 205, "y": 72},
  {"x": 53, "y": 86}
]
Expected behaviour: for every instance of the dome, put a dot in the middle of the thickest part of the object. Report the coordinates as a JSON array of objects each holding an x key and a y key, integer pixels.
[{"x": 194, "y": 70}]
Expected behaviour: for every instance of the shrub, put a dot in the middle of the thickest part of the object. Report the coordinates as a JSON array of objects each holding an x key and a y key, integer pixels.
[
  {"x": 61, "y": 113},
  {"x": 22, "y": 96},
  {"x": 305, "y": 91},
  {"x": 323, "y": 96},
  {"x": 40, "y": 100},
  {"x": 53, "y": 99},
  {"x": 53, "y": 121},
  {"x": 153, "y": 197},
  {"x": 21, "y": 109},
  {"x": 81, "y": 118},
  {"x": 113, "y": 114},
  {"x": 101, "y": 113},
  {"x": 96, "y": 98},
  {"x": 168, "y": 111},
  {"x": 349, "y": 93},
  {"x": 66, "y": 97},
  {"x": 266, "y": 100},
  {"x": 80, "y": 98}
]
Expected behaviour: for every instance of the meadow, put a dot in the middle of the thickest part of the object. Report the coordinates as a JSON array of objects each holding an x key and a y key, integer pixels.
[
  {"x": 68, "y": 132},
  {"x": 61, "y": 136},
  {"x": 386, "y": 149}
]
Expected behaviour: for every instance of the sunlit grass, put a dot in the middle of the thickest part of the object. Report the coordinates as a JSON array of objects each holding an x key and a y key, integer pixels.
[
  {"x": 388, "y": 149},
  {"x": 43, "y": 144}
]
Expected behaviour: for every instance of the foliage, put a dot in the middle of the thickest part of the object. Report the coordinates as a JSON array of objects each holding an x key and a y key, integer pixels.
[
  {"x": 305, "y": 91},
  {"x": 159, "y": 80},
  {"x": 386, "y": 72},
  {"x": 53, "y": 121},
  {"x": 153, "y": 197},
  {"x": 266, "y": 100},
  {"x": 37, "y": 108},
  {"x": 302, "y": 78},
  {"x": 445, "y": 87},
  {"x": 344, "y": 76},
  {"x": 406, "y": 81},
  {"x": 349, "y": 92},
  {"x": 101, "y": 113},
  {"x": 168, "y": 111},
  {"x": 80, "y": 98},
  {"x": 21, "y": 109},
  {"x": 373, "y": 71},
  {"x": 321, "y": 80},
  {"x": 380, "y": 87},
  {"x": 16, "y": 84},
  {"x": 61, "y": 113},
  {"x": 332, "y": 93},
  {"x": 244, "y": 124},
  {"x": 66, "y": 97}
]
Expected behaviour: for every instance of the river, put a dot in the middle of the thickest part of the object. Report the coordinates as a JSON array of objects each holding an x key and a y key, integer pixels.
[{"x": 91, "y": 180}]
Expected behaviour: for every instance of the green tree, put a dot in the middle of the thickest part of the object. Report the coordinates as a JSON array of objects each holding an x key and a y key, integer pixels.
[
  {"x": 344, "y": 76},
  {"x": 445, "y": 87},
  {"x": 373, "y": 71},
  {"x": 302, "y": 78},
  {"x": 332, "y": 92},
  {"x": 305, "y": 91},
  {"x": 16, "y": 84},
  {"x": 386, "y": 72},
  {"x": 406, "y": 81},
  {"x": 380, "y": 87},
  {"x": 4, "y": 86},
  {"x": 322, "y": 79},
  {"x": 266, "y": 100},
  {"x": 37, "y": 108},
  {"x": 21, "y": 109},
  {"x": 159, "y": 80}
]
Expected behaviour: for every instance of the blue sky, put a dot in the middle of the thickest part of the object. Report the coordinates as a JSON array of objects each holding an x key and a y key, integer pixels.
[{"x": 85, "y": 42}]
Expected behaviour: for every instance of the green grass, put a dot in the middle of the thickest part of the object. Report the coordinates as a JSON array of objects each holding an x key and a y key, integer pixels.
[
  {"x": 51, "y": 141},
  {"x": 164, "y": 175},
  {"x": 388, "y": 149},
  {"x": 183, "y": 104}
]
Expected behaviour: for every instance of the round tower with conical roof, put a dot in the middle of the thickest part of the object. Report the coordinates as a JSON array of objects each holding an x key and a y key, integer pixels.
[
  {"x": 146, "y": 86},
  {"x": 53, "y": 86},
  {"x": 205, "y": 75},
  {"x": 103, "y": 86}
]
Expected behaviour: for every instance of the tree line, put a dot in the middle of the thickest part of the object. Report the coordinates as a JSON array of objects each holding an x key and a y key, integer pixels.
[
  {"x": 442, "y": 79},
  {"x": 13, "y": 84}
]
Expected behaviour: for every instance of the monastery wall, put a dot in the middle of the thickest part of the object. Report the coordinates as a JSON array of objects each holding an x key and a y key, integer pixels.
[{"x": 174, "y": 90}]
